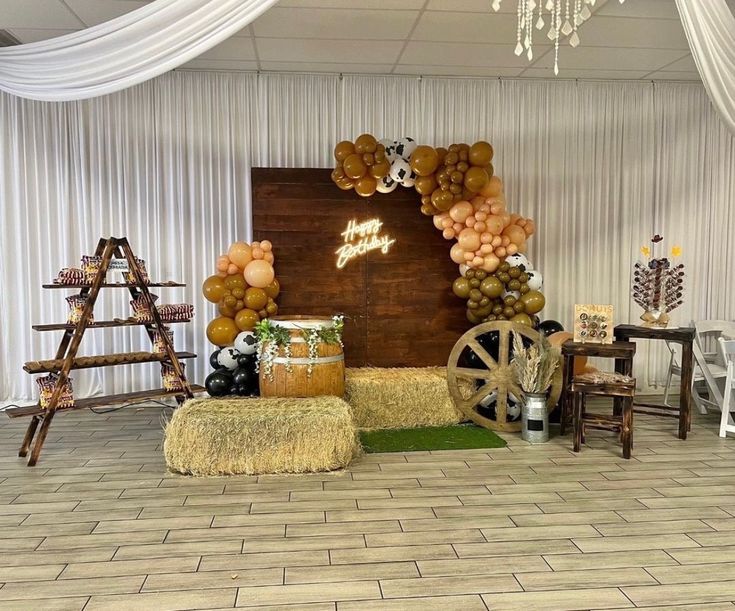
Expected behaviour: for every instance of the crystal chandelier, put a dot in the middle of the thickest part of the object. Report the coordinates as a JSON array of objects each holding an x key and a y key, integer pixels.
[{"x": 565, "y": 18}]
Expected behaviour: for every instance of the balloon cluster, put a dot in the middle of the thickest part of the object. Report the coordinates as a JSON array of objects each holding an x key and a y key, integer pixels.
[
  {"x": 485, "y": 231},
  {"x": 451, "y": 175},
  {"x": 360, "y": 165},
  {"x": 512, "y": 292},
  {"x": 244, "y": 289},
  {"x": 235, "y": 368}
]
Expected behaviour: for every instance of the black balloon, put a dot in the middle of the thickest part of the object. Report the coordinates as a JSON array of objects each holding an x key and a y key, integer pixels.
[
  {"x": 247, "y": 361},
  {"x": 491, "y": 342},
  {"x": 547, "y": 327},
  {"x": 218, "y": 384},
  {"x": 243, "y": 377},
  {"x": 469, "y": 359},
  {"x": 213, "y": 359}
]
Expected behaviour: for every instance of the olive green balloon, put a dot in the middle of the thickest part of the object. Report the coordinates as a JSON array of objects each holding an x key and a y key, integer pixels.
[
  {"x": 534, "y": 300},
  {"x": 474, "y": 283},
  {"x": 514, "y": 285},
  {"x": 475, "y": 295},
  {"x": 491, "y": 287},
  {"x": 480, "y": 274},
  {"x": 461, "y": 287}
]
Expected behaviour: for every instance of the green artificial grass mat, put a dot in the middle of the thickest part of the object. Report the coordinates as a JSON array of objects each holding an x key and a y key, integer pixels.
[{"x": 458, "y": 437}]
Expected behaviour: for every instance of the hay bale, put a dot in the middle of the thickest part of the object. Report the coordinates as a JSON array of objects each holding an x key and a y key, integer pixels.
[
  {"x": 396, "y": 398},
  {"x": 255, "y": 436}
]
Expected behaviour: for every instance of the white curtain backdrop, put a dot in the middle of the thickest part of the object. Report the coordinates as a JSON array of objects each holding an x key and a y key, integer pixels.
[
  {"x": 710, "y": 30},
  {"x": 600, "y": 166},
  {"x": 125, "y": 51}
]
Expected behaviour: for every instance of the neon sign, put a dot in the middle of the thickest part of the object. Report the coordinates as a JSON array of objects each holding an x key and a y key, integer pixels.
[{"x": 360, "y": 239}]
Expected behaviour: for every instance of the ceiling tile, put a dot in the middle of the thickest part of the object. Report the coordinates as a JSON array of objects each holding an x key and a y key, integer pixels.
[
  {"x": 424, "y": 70},
  {"x": 657, "y": 9},
  {"x": 354, "y": 24},
  {"x": 605, "y": 58},
  {"x": 685, "y": 64},
  {"x": 31, "y": 35},
  {"x": 548, "y": 73},
  {"x": 93, "y": 12},
  {"x": 384, "y": 5},
  {"x": 466, "y": 27},
  {"x": 319, "y": 51},
  {"x": 472, "y": 6},
  {"x": 602, "y": 31},
  {"x": 34, "y": 14},
  {"x": 232, "y": 48},
  {"x": 459, "y": 54},
  {"x": 326, "y": 67},
  {"x": 218, "y": 64},
  {"x": 674, "y": 76}
]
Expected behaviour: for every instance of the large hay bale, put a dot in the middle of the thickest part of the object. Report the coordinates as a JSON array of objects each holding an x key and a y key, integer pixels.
[
  {"x": 396, "y": 398},
  {"x": 255, "y": 436}
]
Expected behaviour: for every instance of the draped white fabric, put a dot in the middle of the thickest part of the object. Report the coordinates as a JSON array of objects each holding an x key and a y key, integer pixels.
[
  {"x": 599, "y": 165},
  {"x": 125, "y": 51},
  {"x": 710, "y": 30}
]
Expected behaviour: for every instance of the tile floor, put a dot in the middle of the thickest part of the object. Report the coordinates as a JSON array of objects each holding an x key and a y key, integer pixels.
[{"x": 100, "y": 524}]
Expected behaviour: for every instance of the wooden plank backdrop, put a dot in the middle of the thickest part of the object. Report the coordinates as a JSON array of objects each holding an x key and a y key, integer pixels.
[{"x": 399, "y": 308}]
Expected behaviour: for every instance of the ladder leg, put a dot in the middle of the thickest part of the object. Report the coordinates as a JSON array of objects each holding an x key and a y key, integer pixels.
[
  {"x": 41, "y": 438},
  {"x": 30, "y": 432}
]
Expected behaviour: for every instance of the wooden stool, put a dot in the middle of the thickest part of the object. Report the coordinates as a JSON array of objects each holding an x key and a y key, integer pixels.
[
  {"x": 622, "y": 352},
  {"x": 616, "y": 385}
]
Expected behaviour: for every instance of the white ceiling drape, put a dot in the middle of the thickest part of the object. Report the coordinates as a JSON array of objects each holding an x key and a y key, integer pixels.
[
  {"x": 125, "y": 51},
  {"x": 600, "y": 166},
  {"x": 710, "y": 30}
]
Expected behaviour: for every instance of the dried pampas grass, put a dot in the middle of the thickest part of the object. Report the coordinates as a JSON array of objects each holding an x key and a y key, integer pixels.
[
  {"x": 255, "y": 436},
  {"x": 396, "y": 398}
]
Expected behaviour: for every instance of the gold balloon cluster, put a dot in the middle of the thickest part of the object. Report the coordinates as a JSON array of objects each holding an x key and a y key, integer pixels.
[
  {"x": 244, "y": 288},
  {"x": 503, "y": 295},
  {"x": 447, "y": 176},
  {"x": 360, "y": 165}
]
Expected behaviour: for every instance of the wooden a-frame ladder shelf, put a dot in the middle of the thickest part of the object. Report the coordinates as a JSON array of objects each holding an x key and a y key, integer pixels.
[{"x": 66, "y": 358}]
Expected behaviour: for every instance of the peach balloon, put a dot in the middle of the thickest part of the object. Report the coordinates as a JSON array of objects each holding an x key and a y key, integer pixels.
[
  {"x": 494, "y": 224},
  {"x": 530, "y": 228},
  {"x": 438, "y": 220},
  {"x": 480, "y": 216},
  {"x": 458, "y": 227},
  {"x": 456, "y": 254},
  {"x": 469, "y": 239},
  {"x": 478, "y": 200},
  {"x": 470, "y": 221},
  {"x": 223, "y": 264},
  {"x": 468, "y": 256},
  {"x": 506, "y": 219},
  {"x": 266, "y": 245},
  {"x": 477, "y": 261},
  {"x": 233, "y": 269},
  {"x": 259, "y": 274},
  {"x": 258, "y": 253},
  {"x": 505, "y": 240},
  {"x": 269, "y": 257},
  {"x": 494, "y": 187},
  {"x": 240, "y": 254},
  {"x": 479, "y": 227},
  {"x": 486, "y": 238},
  {"x": 460, "y": 211},
  {"x": 484, "y": 208},
  {"x": 515, "y": 234},
  {"x": 512, "y": 249},
  {"x": 255, "y": 245},
  {"x": 486, "y": 249},
  {"x": 497, "y": 241},
  {"x": 447, "y": 223},
  {"x": 521, "y": 222},
  {"x": 222, "y": 274},
  {"x": 490, "y": 263},
  {"x": 514, "y": 217},
  {"x": 497, "y": 208},
  {"x": 500, "y": 252},
  {"x": 448, "y": 234}
]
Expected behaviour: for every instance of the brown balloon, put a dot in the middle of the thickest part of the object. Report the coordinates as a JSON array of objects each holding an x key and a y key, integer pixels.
[
  {"x": 354, "y": 166},
  {"x": 214, "y": 289},
  {"x": 368, "y": 158},
  {"x": 273, "y": 289},
  {"x": 442, "y": 200},
  {"x": 425, "y": 185},
  {"x": 366, "y": 186},
  {"x": 427, "y": 210},
  {"x": 366, "y": 143},
  {"x": 461, "y": 287},
  {"x": 345, "y": 183},
  {"x": 424, "y": 160},
  {"x": 475, "y": 179},
  {"x": 246, "y": 319},
  {"x": 343, "y": 150},
  {"x": 481, "y": 153},
  {"x": 222, "y": 331},
  {"x": 380, "y": 168},
  {"x": 442, "y": 152},
  {"x": 234, "y": 281},
  {"x": 255, "y": 299},
  {"x": 338, "y": 172}
]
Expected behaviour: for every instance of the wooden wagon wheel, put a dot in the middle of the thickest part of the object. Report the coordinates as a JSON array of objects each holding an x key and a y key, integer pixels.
[{"x": 497, "y": 377}]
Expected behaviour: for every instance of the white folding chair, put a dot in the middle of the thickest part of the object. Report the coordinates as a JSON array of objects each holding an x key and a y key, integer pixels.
[
  {"x": 727, "y": 424},
  {"x": 713, "y": 373},
  {"x": 708, "y": 332}
]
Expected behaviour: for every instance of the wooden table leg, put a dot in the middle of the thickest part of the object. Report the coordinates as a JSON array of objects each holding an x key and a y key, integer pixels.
[
  {"x": 41, "y": 438},
  {"x": 30, "y": 432},
  {"x": 577, "y": 420},
  {"x": 627, "y": 428},
  {"x": 685, "y": 397},
  {"x": 566, "y": 398}
]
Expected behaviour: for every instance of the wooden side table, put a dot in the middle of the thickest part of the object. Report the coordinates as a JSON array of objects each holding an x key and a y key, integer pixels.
[
  {"x": 679, "y": 335},
  {"x": 622, "y": 352}
]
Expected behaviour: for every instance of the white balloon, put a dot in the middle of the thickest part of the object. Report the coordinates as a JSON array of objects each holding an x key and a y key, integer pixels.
[
  {"x": 386, "y": 185},
  {"x": 535, "y": 280},
  {"x": 246, "y": 342},
  {"x": 228, "y": 357},
  {"x": 489, "y": 399},
  {"x": 463, "y": 268},
  {"x": 517, "y": 260},
  {"x": 400, "y": 170},
  {"x": 515, "y": 294},
  {"x": 408, "y": 182},
  {"x": 405, "y": 146}
]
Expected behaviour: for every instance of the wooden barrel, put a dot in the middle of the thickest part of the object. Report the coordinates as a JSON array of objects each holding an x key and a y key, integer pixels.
[{"x": 290, "y": 377}]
